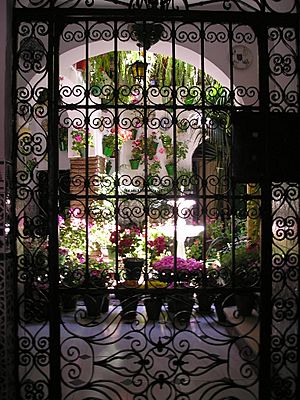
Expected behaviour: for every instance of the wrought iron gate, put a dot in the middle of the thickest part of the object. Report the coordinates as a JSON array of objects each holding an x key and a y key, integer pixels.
[{"x": 146, "y": 213}]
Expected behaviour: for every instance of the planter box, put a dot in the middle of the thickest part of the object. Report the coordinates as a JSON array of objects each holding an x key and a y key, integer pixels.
[{"x": 79, "y": 177}]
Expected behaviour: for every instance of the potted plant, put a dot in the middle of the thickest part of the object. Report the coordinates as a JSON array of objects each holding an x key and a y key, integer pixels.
[
  {"x": 185, "y": 269},
  {"x": 73, "y": 235},
  {"x": 142, "y": 149},
  {"x": 63, "y": 138},
  {"x": 137, "y": 153},
  {"x": 180, "y": 305},
  {"x": 158, "y": 244},
  {"x": 245, "y": 275},
  {"x": 109, "y": 140},
  {"x": 181, "y": 151},
  {"x": 154, "y": 168},
  {"x": 131, "y": 246},
  {"x": 98, "y": 277},
  {"x": 79, "y": 141},
  {"x": 128, "y": 301},
  {"x": 154, "y": 301}
]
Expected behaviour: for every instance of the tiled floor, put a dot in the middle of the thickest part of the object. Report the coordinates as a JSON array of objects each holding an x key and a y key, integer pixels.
[{"x": 107, "y": 358}]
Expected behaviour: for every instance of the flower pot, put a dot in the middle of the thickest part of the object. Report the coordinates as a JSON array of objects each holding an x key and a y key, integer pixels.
[
  {"x": 245, "y": 303},
  {"x": 81, "y": 65},
  {"x": 94, "y": 304},
  {"x": 63, "y": 146},
  {"x": 81, "y": 152},
  {"x": 155, "y": 146},
  {"x": 133, "y": 268},
  {"x": 68, "y": 302},
  {"x": 133, "y": 133},
  {"x": 170, "y": 169},
  {"x": 134, "y": 164},
  {"x": 129, "y": 306},
  {"x": 166, "y": 275},
  {"x": 108, "y": 151},
  {"x": 108, "y": 167},
  {"x": 153, "y": 307},
  {"x": 105, "y": 304},
  {"x": 205, "y": 302},
  {"x": 180, "y": 308}
]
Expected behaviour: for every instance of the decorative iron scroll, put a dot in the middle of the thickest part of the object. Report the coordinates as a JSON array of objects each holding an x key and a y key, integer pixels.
[
  {"x": 7, "y": 290},
  {"x": 158, "y": 248},
  {"x": 152, "y": 261},
  {"x": 285, "y": 294},
  {"x": 250, "y": 6}
]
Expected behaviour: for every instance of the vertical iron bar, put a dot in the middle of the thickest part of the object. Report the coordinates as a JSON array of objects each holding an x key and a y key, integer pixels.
[
  {"x": 174, "y": 124},
  {"x": 203, "y": 128},
  {"x": 116, "y": 123},
  {"x": 297, "y": 29},
  {"x": 87, "y": 133},
  {"x": 14, "y": 222},
  {"x": 146, "y": 159},
  {"x": 54, "y": 315},
  {"x": 266, "y": 228},
  {"x": 233, "y": 184}
]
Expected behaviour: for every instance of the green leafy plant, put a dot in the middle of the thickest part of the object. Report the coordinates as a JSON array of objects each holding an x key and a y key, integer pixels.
[
  {"x": 194, "y": 249},
  {"x": 131, "y": 242},
  {"x": 63, "y": 138},
  {"x": 142, "y": 149},
  {"x": 79, "y": 140},
  {"x": 181, "y": 149},
  {"x": 154, "y": 167},
  {"x": 74, "y": 234},
  {"x": 99, "y": 272},
  {"x": 246, "y": 258},
  {"x": 123, "y": 135}
]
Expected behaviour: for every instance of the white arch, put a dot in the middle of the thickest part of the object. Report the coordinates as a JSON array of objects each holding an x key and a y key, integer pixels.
[{"x": 70, "y": 57}]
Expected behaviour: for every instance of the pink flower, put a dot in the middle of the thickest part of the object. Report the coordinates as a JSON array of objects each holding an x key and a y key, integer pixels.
[
  {"x": 81, "y": 258},
  {"x": 63, "y": 251},
  {"x": 78, "y": 138},
  {"x": 167, "y": 262},
  {"x": 161, "y": 150}
]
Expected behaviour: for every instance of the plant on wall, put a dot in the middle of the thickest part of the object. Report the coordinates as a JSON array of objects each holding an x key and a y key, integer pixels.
[
  {"x": 180, "y": 151},
  {"x": 142, "y": 148},
  {"x": 154, "y": 166},
  {"x": 79, "y": 141},
  {"x": 109, "y": 140},
  {"x": 159, "y": 71}
]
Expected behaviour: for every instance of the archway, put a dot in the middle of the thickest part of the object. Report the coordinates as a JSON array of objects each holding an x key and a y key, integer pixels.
[{"x": 185, "y": 349}]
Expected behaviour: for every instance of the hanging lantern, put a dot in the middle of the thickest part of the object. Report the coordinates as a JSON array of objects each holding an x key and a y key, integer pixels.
[{"x": 138, "y": 69}]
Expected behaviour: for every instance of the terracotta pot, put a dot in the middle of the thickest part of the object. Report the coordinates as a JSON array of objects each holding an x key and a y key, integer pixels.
[{"x": 81, "y": 65}]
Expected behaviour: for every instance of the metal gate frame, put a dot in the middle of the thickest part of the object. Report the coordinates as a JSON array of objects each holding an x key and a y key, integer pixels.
[{"x": 269, "y": 373}]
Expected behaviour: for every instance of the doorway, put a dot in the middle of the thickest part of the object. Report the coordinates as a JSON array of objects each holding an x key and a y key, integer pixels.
[{"x": 140, "y": 272}]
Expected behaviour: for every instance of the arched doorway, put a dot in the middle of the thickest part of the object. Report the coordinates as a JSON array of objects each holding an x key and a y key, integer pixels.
[{"x": 197, "y": 234}]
